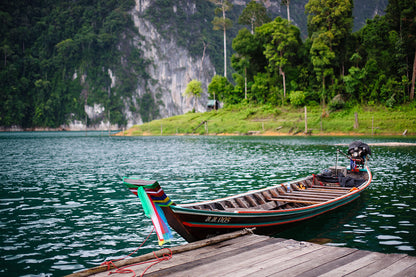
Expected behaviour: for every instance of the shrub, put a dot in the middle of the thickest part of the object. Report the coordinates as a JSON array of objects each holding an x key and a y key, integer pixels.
[{"x": 297, "y": 98}]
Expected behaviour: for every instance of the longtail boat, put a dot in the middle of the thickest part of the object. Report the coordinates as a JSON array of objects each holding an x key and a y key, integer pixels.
[{"x": 263, "y": 209}]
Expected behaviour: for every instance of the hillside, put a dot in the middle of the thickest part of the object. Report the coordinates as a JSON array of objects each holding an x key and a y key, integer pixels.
[
  {"x": 278, "y": 121},
  {"x": 82, "y": 65}
]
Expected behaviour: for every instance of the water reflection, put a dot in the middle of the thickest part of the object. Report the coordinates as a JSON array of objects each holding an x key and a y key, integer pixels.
[{"x": 64, "y": 208}]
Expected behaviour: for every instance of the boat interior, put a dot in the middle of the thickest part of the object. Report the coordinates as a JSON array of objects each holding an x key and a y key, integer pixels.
[{"x": 314, "y": 189}]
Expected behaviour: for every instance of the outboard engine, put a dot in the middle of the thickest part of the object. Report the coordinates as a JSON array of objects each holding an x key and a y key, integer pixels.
[{"x": 358, "y": 152}]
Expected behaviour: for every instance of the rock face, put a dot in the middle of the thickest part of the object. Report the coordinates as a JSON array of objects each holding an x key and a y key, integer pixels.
[{"x": 171, "y": 69}]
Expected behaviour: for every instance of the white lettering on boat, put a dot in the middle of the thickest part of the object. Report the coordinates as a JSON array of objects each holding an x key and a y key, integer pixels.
[{"x": 218, "y": 219}]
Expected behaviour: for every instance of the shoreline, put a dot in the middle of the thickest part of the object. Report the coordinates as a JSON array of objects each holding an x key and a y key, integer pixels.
[{"x": 128, "y": 133}]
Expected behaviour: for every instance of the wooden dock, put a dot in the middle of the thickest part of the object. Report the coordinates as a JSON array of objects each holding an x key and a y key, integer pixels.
[{"x": 245, "y": 254}]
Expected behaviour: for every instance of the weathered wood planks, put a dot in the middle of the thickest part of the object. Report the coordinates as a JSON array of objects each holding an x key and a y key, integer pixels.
[{"x": 254, "y": 255}]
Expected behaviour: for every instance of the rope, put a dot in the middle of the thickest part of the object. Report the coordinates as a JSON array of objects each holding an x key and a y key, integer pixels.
[
  {"x": 165, "y": 257},
  {"x": 109, "y": 263},
  {"x": 125, "y": 269},
  {"x": 156, "y": 260}
]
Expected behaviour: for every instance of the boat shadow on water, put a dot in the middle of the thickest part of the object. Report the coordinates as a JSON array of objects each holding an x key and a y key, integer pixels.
[{"x": 325, "y": 228}]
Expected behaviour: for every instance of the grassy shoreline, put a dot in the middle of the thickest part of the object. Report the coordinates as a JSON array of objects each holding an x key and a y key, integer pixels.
[{"x": 284, "y": 121}]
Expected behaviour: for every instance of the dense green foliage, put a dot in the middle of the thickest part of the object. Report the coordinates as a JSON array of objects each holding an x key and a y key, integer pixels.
[
  {"x": 373, "y": 65},
  {"x": 56, "y": 56},
  {"x": 53, "y": 50}
]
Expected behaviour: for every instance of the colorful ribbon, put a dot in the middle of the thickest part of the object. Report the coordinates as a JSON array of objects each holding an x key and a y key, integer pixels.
[{"x": 153, "y": 198}]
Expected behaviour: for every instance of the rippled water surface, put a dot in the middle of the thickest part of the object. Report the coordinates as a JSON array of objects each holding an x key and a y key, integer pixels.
[{"x": 63, "y": 206}]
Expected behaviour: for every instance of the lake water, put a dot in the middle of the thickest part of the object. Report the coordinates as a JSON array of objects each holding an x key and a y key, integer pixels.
[{"x": 63, "y": 206}]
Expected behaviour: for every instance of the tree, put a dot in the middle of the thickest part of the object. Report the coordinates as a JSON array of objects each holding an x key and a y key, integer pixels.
[
  {"x": 194, "y": 89},
  {"x": 322, "y": 57},
  {"x": 333, "y": 20},
  {"x": 254, "y": 14},
  {"x": 401, "y": 16},
  {"x": 7, "y": 51},
  {"x": 249, "y": 57},
  {"x": 220, "y": 88},
  {"x": 329, "y": 26},
  {"x": 285, "y": 39},
  {"x": 222, "y": 23},
  {"x": 250, "y": 48}
]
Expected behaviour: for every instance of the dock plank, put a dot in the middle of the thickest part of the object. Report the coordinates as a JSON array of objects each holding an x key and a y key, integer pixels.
[
  {"x": 383, "y": 262},
  {"x": 275, "y": 261},
  {"x": 398, "y": 268},
  {"x": 408, "y": 272},
  {"x": 245, "y": 254},
  {"x": 309, "y": 261},
  {"x": 328, "y": 266},
  {"x": 203, "y": 253},
  {"x": 235, "y": 266},
  {"x": 354, "y": 265},
  {"x": 202, "y": 266},
  {"x": 207, "y": 252},
  {"x": 255, "y": 264}
]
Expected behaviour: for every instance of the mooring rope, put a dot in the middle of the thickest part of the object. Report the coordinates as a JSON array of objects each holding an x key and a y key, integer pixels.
[{"x": 126, "y": 269}]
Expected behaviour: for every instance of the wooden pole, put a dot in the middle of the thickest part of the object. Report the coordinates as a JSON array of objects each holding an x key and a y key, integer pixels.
[
  {"x": 356, "y": 120},
  {"x": 372, "y": 126},
  {"x": 321, "y": 123},
  {"x": 86, "y": 121},
  {"x": 306, "y": 121}
]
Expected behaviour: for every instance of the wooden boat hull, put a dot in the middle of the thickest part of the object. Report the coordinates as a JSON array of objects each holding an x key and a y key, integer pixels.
[
  {"x": 202, "y": 224},
  {"x": 258, "y": 219},
  {"x": 264, "y": 209},
  {"x": 196, "y": 224}
]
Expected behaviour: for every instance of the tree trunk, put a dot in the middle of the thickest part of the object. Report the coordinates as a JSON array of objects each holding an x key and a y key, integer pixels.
[
  {"x": 288, "y": 11},
  {"x": 284, "y": 81},
  {"x": 323, "y": 91},
  {"x": 225, "y": 44},
  {"x": 306, "y": 121},
  {"x": 245, "y": 82},
  {"x": 412, "y": 90}
]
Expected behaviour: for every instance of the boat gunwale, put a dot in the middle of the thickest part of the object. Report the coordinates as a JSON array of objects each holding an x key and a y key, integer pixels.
[
  {"x": 264, "y": 224},
  {"x": 240, "y": 195},
  {"x": 183, "y": 208}
]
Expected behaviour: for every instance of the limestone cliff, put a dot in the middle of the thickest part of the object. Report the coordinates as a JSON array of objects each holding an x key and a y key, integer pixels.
[
  {"x": 171, "y": 66},
  {"x": 171, "y": 69}
]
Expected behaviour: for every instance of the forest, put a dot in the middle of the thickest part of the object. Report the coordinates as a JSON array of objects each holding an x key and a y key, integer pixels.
[
  {"x": 333, "y": 67},
  {"x": 53, "y": 50},
  {"x": 56, "y": 57}
]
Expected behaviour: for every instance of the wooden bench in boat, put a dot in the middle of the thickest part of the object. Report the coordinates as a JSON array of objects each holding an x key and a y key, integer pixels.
[
  {"x": 306, "y": 192},
  {"x": 297, "y": 201}
]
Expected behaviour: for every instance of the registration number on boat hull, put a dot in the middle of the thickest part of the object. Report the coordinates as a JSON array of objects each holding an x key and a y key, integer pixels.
[{"x": 218, "y": 219}]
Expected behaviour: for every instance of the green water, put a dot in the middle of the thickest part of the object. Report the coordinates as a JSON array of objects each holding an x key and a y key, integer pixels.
[{"x": 63, "y": 207}]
